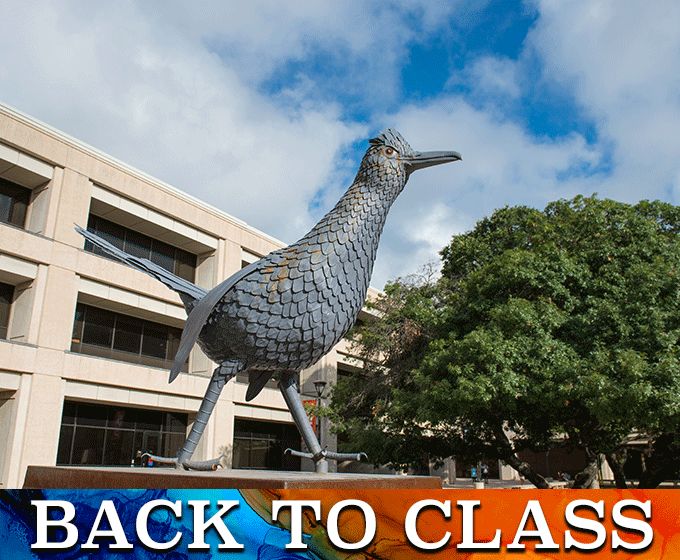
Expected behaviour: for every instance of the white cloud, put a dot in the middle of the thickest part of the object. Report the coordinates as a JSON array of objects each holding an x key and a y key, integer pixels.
[
  {"x": 489, "y": 76},
  {"x": 180, "y": 90},
  {"x": 621, "y": 61},
  {"x": 621, "y": 58},
  {"x": 174, "y": 89},
  {"x": 172, "y": 108}
]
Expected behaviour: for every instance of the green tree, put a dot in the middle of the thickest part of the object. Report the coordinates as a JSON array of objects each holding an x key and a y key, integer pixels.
[{"x": 544, "y": 326}]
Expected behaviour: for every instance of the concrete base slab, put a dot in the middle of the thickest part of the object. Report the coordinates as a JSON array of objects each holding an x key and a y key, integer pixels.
[{"x": 113, "y": 477}]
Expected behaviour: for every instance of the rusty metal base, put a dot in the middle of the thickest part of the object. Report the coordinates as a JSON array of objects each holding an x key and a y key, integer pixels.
[{"x": 113, "y": 477}]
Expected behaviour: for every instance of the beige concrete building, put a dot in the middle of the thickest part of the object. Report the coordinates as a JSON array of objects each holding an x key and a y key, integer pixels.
[{"x": 85, "y": 342}]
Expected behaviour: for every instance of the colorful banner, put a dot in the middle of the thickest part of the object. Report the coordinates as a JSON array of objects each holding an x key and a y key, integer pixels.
[{"x": 339, "y": 524}]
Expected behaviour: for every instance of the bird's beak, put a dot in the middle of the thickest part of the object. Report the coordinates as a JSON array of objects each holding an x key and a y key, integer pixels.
[{"x": 427, "y": 159}]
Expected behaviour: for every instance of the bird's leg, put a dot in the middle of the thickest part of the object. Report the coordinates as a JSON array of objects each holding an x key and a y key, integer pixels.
[
  {"x": 220, "y": 376},
  {"x": 288, "y": 389},
  {"x": 290, "y": 394},
  {"x": 207, "y": 405}
]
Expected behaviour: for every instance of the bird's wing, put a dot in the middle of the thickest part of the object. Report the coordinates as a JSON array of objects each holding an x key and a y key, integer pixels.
[
  {"x": 199, "y": 315},
  {"x": 188, "y": 291}
]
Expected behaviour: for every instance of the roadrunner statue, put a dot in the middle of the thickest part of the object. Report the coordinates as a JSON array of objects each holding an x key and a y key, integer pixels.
[{"x": 281, "y": 314}]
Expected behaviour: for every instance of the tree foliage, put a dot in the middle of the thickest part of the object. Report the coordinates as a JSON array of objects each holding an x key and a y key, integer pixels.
[{"x": 560, "y": 324}]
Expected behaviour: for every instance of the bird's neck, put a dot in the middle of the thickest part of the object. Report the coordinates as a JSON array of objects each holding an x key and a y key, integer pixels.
[{"x": 356, "y": 222}]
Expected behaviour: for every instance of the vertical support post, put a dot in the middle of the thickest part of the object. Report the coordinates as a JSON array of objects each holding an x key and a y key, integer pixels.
[
  {"x": 215, "y": 387},
  {"x": 290, "y": 394},
  {"x": 318, "y": 420}
]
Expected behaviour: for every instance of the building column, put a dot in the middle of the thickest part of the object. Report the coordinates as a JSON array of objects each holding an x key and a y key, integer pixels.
[
  {"x": 506, "y": 472},
  {"x": 38, "y": 408},
  {"x": 222, "y": 432}
]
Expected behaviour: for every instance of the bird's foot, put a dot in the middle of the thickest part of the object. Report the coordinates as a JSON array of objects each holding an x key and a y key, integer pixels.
[
  {"x": 325, "y": 454},
  {"x": 187, "y": 465}
]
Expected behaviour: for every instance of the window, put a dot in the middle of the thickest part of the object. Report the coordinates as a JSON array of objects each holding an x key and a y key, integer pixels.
[
  {"x": 179, "y": 262},
  {"x": 99, "y": 332},
  {"x": 96, "y": 434},
  {"x": 6, "y": 297},
  {"x": 344, "y": 371},
  {"x": 13, "y": 203},
  {"x": 261, "y": 445}
]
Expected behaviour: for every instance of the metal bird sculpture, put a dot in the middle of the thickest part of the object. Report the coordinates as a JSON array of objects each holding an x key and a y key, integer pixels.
[{"x": 281, "y": 314}]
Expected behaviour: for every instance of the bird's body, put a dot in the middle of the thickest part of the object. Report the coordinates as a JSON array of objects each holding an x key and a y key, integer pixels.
[
  {"x": 282, "y": 313},
  {"x": 299, "y": 301}
]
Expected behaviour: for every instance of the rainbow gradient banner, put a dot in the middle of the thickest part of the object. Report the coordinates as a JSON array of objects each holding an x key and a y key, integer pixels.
[{"x": 339, "y": 524}]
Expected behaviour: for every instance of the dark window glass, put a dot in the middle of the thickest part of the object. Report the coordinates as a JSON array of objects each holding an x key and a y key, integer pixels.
[
  {"x": 261, "y": 445},
  {"x": 119, "y": 447},
  {"x": 152, "y": 442},
  {"x": 114, "y": 435},
  {"x": 6, "y": 297},
  {"x": 240, "y": 456},
  {"x": 174, "y": 337},
  {"x": 77, "y": 336},
  {"x": 155, "y": 341},
  {"x": 185, "y": 265},
  {"x": 175, "y": 422},
  {"x": 13, "y": 203},
  {"x": 128, "y": 334},
  {"x": 137, "y": 244},
  {"x": 68, "y": 415},
  {"x": 260, "y": 450},
  {"x": 92, "y": 415},
  {"x": 98, "y": 327},
  {"x": 122, "y": 418},
  {"x": 344, "y": 372},
  {"x": 175, "y": 260},
  {"x": 164, "y": 255},
  {"x": 149, "y": 419},
  {"x": 65, "y": 443},
  {"x": 98, "y": 332},
  {"x": 113, "y": 233},
  {"x": 88, "y": 446}
]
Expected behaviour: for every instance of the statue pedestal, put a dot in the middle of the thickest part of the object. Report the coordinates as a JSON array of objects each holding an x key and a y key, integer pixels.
[{"x": 115, "y": 477}]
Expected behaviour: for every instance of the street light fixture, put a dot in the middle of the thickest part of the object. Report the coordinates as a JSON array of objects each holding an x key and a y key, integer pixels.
[{"x": 319, "y": 386}]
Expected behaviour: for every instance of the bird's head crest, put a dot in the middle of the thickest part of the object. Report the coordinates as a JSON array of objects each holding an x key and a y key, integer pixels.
[{"x": 392, "y": 138}]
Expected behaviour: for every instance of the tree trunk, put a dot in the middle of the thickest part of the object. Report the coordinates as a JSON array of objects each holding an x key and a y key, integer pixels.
[
  {"x": 616, "y": 459},
  {"x": 588, "y": 477},
  {"x": 507, "y": 453},
  {"x": 526, "y": 471}
]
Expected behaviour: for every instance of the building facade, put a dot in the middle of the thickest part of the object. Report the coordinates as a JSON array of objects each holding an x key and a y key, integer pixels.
[{"x": 86, "y": 342}]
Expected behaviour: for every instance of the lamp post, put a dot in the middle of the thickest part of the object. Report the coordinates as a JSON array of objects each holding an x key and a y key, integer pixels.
[{"x": 319, "y": 386}]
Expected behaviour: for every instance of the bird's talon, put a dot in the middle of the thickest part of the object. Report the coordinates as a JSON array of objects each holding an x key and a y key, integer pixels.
[
  {"x": 325, "y": 454},
  {"x": 185, "y": 464}
]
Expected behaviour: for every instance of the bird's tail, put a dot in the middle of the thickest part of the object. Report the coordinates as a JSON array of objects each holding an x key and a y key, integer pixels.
[{"x": 188, "y": 291}]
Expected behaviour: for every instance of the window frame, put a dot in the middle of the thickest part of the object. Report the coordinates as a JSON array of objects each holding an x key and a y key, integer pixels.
[
  {"x": 173, "y": 259},
  {"x": 96, "y": 425},
  {"x": 85, "y": 335},
  {"x": 252, "y": 435},
  {"x": 7, "y": 292},
  {"x": 20, "y": 198}
]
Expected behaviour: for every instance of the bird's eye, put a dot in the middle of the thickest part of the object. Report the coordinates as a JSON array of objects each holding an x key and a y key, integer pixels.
[{"x": 389, "y": 151}]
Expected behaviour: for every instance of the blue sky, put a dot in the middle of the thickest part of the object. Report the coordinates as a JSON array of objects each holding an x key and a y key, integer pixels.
[{"x": 263, "y": 108}]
